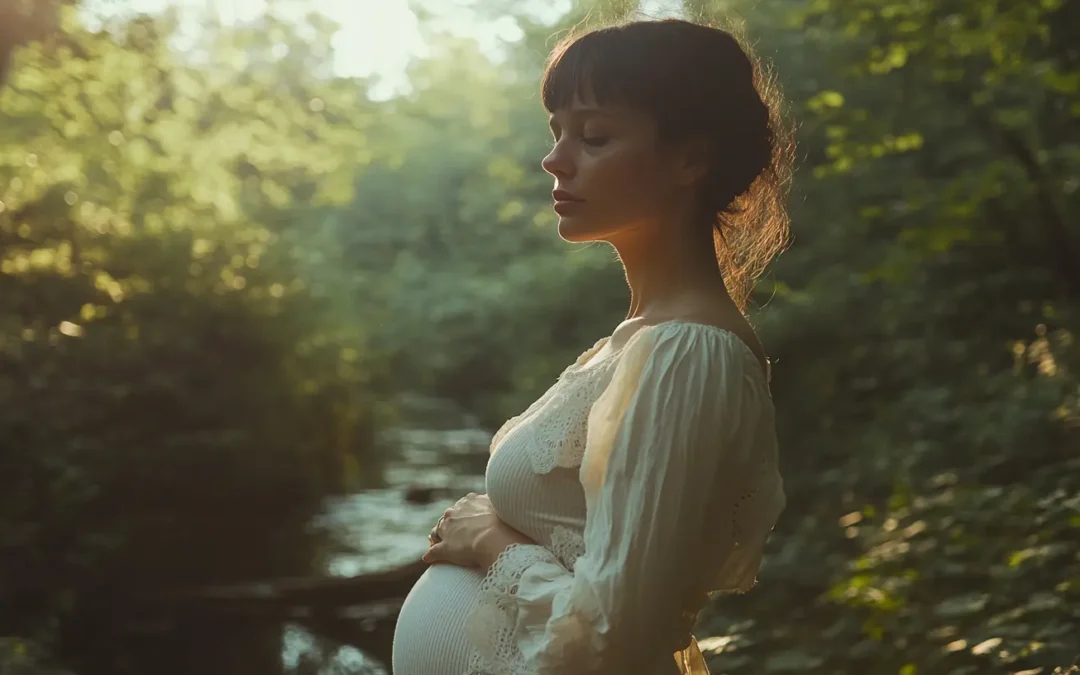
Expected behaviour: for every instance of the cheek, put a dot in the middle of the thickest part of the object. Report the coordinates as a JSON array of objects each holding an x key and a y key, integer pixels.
[
  {"x": 624, "y": 187},
  {"x": 631, "y": 181}
]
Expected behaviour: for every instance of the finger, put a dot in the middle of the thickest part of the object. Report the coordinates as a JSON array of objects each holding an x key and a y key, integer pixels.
[{"x": 433, "y": 554}]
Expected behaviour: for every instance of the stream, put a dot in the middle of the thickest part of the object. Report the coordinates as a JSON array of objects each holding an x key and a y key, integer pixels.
[{"x": 380, "y": 528}]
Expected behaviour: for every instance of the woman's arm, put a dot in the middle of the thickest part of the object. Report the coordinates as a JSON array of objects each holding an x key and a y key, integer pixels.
[{"x": 674, "y": 448}]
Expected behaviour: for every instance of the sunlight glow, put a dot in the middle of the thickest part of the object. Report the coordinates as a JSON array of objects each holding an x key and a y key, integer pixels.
[{"x": 377, "y": 38}]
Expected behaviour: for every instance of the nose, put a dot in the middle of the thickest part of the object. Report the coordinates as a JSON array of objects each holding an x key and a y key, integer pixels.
[{"x": 557, "y": 164}]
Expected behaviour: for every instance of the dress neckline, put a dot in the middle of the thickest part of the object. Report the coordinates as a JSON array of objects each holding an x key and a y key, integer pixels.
[{"x": 582, "y": 362}]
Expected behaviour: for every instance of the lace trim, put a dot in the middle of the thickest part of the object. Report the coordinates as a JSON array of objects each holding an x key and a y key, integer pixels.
[
  {"x": 490, "y": 625},
  {"x": 559, "y": 428},
  {"x": 509, "y": 425},
  {"x": 561, "y": 414},
  {"x": 566, "y": 374},
  {"x": 568, "y": 545}
]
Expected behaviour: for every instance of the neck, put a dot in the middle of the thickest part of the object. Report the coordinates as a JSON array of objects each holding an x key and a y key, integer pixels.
[{"x": 669, "y": 275}]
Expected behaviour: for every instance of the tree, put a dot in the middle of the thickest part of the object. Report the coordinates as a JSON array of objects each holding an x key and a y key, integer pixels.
[{"x": 171, "y": 376}]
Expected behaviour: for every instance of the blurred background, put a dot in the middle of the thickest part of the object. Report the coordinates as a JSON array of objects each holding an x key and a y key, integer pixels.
[{"x": 272, "y": 272}]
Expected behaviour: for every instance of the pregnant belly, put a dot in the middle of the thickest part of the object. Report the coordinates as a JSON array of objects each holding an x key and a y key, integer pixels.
[{"x": 429, "y": 638}]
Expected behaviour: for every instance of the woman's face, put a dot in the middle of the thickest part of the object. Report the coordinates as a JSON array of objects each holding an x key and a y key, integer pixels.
[{"x": 612, "y": 177}]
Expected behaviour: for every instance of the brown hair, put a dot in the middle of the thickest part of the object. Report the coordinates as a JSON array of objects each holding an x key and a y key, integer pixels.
[{"x": 697, "y": 81}]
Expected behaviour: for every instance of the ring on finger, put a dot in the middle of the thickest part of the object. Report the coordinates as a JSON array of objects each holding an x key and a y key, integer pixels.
[{"x": 434, "y": 537}]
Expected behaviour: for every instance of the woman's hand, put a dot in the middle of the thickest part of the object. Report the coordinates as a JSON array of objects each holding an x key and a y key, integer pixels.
[{"x": 471, "y": 534}]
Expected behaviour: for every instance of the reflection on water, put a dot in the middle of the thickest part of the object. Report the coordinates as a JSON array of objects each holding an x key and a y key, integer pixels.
[
  {"x": 380, "y": 528},
  {"x": 302, "y": 655}
]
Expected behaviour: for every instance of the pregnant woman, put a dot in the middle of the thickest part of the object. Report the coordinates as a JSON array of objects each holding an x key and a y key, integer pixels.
[{"x": 646, "y": 478}]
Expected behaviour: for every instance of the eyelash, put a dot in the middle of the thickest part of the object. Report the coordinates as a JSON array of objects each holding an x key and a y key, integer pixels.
[{"x": 591, "y": 141}]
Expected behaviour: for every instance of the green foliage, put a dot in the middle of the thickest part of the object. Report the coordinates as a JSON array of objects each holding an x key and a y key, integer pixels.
[
  {"x": 222, "y": 271},
  {"x": 922, "y": 328},
  {"x": 177, "y": 395},
  {"x": 928, "y": 382}
]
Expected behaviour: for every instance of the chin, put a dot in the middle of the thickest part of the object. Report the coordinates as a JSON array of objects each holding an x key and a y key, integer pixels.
[{"x": 579, "y": 231}]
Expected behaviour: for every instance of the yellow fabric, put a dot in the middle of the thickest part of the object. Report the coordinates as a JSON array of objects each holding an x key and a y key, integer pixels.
[{"x": 691, "y": 661}]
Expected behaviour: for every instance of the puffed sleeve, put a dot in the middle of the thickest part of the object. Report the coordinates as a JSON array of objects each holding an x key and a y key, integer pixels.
[{"x": 681, "y": 488}]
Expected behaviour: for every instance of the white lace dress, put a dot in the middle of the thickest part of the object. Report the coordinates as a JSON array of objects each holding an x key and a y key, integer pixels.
[{"x": 649, "y": 479}]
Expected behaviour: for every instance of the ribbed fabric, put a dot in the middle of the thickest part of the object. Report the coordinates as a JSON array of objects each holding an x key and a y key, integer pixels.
[
  {"x": 430, "y": 638},
  {"x": 668, "y": 443}
]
